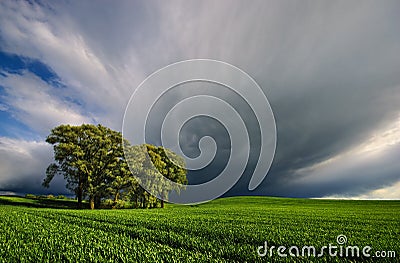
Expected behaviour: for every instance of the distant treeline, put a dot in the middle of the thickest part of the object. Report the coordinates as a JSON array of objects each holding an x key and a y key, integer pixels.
[{"x": 49, "y": 196}]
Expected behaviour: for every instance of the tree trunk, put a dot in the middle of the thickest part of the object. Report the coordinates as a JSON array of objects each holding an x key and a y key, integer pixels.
[
  {"x": 80, "y": 192},
  {"x": 91, "y": 202},
  {"x": 97, "y": 201},
  {"x": 116, "y": 197},
  {"x": 162, "y": 200},
  {"x": 79, "y": 201}
]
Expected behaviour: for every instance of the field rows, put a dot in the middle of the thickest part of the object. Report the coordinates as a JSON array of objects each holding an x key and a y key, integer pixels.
[{"x": 225, "y": 230}]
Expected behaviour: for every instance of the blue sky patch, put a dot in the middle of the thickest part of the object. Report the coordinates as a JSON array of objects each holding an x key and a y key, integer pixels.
[
  {"x": 16, "y": 64},
  {"x": 12, "y": 128}
]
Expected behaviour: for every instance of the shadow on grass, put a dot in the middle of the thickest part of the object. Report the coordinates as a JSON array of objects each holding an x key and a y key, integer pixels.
[{"x": 40, "y": 202}]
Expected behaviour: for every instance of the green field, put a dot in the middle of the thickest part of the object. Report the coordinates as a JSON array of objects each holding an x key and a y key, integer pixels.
[{"x": 224, "y": 230}]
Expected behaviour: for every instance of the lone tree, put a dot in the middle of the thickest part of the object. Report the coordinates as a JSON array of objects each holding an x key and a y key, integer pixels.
[
  {"x": 92, "y": 160},
  {"x": 84, "y": 155}
]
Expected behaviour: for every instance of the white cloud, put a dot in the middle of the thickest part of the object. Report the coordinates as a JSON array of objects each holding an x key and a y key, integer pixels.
[
  {"x": 366, "y": 168},
  {"x": 8, "y": 193},
  {"x": 381, "y": 139},
  {"x": 33, "y": 104},
  {"x": 391, "y": 192},
  {"x": 3, "y": 107},
  {"x": 51, "y": 37},
  {"x": 376, "y": 144}
]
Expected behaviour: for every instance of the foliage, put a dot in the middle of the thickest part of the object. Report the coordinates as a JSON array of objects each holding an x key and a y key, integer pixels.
[
  {"x": 84, "y": 155},
  {"x": 151, "y": 165},
  {"x": 32, "y": 196},
  {"x": 224, "y": 230},
  {"x": 91, "y": 158},
  {"x": 50, "y": 196}
]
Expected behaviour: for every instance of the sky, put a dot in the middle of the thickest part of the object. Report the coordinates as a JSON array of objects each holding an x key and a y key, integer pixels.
[{"x": 330, "y": 70}]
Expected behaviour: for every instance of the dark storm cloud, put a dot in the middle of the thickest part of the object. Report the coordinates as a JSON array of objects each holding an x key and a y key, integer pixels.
[
  {"x": 23, "y": 165},
  {"x": 331, "y": 71},
  {"x": 200, "y": 126}
]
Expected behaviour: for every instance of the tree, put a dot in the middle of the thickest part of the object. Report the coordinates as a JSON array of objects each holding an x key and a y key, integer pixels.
[
  {"x": 66, "y": 153},
  {"x": 149, "y": 164},
  {"x": 121, "y": 179},
  {"x": 171, "y": 166},
  {"x": 85, "y": 155},
  {"x": 92, "y": 160}
]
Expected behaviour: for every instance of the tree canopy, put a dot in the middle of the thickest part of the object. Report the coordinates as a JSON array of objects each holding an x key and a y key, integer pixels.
[{"x": 91, "y": 158}]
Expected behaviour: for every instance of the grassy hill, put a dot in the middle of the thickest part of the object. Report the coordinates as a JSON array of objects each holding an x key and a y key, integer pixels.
[{"x": 224, "y": 230}]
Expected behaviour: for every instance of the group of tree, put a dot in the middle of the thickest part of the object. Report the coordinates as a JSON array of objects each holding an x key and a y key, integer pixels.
[{"x": 92, "y": 160}]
